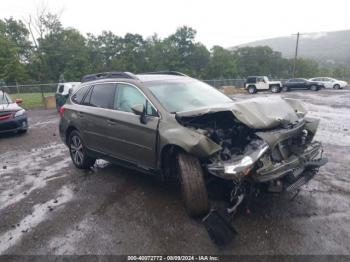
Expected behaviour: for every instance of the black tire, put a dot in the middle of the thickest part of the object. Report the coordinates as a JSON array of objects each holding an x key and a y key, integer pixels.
[
  {"x": 78, "y": 151},
  {"x": 251, "y": 89},
  {"x": 336, "y": 86},
  {"x": 194, "y": 191},
  {"x": 23, "y": 131},
  {"x": 275, "y": 89},
  {"x": 285, "y": 89},
  {"x": 313, "y": 88}
]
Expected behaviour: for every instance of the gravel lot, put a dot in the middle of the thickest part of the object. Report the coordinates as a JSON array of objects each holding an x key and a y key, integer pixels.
[{"x": 49, "y": 207}]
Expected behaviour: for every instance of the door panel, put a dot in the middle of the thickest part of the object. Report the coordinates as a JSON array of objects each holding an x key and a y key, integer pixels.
[
  {"x": 132, "y": 140},
  {"x": 96, "y": 103}
]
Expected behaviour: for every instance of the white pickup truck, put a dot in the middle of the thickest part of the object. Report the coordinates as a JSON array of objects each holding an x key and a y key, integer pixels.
[{"x": 261, "y": 83}]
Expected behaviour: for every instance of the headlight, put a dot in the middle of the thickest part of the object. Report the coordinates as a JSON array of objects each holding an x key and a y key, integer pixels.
[
  {"x": 20, "y": 113},
  {"x": 240, "y": 167}
]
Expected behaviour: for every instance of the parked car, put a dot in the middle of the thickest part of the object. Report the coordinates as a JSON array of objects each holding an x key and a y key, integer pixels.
[
  {"x": 301, "y": 83},
  {"x": 62, "y": 92},
  {"x": 254, "y": 84},
  {"x": 329, "y": 82},
  {"x": 13, "y": 118},
  {"x": 181, "y": 128}
]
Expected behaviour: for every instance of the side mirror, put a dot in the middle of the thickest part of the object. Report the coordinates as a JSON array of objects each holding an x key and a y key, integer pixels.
[
  {"x": 140, "y": 110},
  {"x": 19, "y": 101}
]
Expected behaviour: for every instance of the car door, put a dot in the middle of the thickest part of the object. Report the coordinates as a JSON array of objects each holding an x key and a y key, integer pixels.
[
  {"x": 291, "y": 83},
  {"x": 302, "y": 83},
  {"x": 328, "y": 83},
  {"x": 95, "y": 111},
  {"x": 261, "y": 85},
  {"x": 133, "y": 140}
]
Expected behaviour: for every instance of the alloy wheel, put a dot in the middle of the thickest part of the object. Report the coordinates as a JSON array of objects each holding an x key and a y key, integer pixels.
[{"x": 76, "y": 149}]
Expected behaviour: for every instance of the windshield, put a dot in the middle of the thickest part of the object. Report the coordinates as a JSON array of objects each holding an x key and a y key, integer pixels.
[
  {"x": 4, "y": 99},
  {"x": 177, "y": 96}
]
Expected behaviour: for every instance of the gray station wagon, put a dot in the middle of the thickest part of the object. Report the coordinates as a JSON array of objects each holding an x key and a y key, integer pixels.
[{"x": 169, "y": 124}]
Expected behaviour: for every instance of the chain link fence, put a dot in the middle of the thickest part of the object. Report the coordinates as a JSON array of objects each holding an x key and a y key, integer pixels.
[{"x": 33, "y": 95}]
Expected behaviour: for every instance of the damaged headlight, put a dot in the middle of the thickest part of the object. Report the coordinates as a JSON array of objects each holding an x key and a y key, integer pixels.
[{"x": 240, "y": 166}]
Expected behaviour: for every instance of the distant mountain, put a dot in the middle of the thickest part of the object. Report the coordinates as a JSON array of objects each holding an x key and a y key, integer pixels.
[{"x": 324, "y": 47}]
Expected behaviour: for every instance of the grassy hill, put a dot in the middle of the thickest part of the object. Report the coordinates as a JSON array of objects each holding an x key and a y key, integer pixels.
[{"x": 325, "y": 47}]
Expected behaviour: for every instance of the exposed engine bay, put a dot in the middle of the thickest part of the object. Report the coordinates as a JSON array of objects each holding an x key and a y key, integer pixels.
[{"x": 276, "y": 159}]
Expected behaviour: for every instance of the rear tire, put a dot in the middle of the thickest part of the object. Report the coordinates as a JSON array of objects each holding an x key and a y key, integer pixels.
[
  {"x": 194, "y": 191},
  {"x": 314, "y": 88},
  {"x": 275, "y": 89},
  {"x": 251, "y": 89},
  {"x": 78, "y": 151}
]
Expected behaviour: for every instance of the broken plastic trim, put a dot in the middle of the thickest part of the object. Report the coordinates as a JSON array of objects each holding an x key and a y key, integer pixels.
[{"x": 232, "y": 169}]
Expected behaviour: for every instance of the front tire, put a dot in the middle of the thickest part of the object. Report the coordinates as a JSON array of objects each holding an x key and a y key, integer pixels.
[
  {"x": 194, "y": 192},
  {"x": 78, "y": 151},
  {"x": 314, "y": 88},
  {"x": 251, "y": 89},
  {"x": 336, "y": 86}
]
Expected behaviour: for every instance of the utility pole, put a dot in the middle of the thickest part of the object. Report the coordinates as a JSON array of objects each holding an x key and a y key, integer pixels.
[{"x": 296, "y": 54}]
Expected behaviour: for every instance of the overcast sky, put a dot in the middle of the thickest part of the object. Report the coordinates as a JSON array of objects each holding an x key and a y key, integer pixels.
[{"x": 218, "y": 22}]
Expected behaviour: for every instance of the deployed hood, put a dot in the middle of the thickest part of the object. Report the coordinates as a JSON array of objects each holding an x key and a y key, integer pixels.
[{"x": 256, "y": 113}]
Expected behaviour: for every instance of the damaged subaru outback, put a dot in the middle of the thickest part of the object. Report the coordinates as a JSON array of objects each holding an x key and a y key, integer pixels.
[{"x": 170, "y": 124}]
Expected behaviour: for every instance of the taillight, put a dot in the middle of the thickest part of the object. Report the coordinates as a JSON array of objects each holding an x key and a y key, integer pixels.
[{"x": 62, "y": 111}]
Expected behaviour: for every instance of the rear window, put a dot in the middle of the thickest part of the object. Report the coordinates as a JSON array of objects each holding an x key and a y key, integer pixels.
[
  {"x": 102, "y": 96},
  {"x": 61, "y": 88},
  {"x": 79, "y": 96},
  {"x": 251, "y": 80}
]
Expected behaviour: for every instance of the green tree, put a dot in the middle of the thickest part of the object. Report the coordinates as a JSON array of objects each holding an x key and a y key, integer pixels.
[{"x": 222, "y": 64}]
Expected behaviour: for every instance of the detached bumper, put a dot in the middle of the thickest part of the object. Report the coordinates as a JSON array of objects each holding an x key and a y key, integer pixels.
[
  {"x": 14, "y": 124},
  {"x": 311, "y": 158}
]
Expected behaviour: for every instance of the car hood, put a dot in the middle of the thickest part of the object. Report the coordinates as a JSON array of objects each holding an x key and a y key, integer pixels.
[
  {"x": 10, "y": 107},
  {"x": 256, "y": 113}
]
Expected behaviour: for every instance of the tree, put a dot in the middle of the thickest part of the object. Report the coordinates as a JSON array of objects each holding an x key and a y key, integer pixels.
[
  {"x": 260, "y": 60},
  {"x": 14, "y": 50},
  {"x": 222, "y": 64}
]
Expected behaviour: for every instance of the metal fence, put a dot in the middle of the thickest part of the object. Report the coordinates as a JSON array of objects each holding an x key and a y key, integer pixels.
[{"x": 30, "y": 88}]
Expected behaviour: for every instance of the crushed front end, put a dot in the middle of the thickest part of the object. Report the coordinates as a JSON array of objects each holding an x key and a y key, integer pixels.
[
  {"x": 261, "y": 148},
  {"x": 282, "y": 159}
]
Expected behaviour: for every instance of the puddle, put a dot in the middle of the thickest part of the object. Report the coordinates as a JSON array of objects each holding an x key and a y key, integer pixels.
[
  {"x": 40, "y": 212},
  {"x": 28, "y": 171}
]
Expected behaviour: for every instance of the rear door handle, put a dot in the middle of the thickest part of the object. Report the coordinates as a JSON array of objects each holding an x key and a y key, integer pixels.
[
  {"x": 80, "y": 114},
  {"x": 111, "y": 122}
]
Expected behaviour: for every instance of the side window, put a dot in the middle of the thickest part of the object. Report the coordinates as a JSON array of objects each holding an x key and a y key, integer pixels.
[
  {"x": 102, "y": 96},
  {"x": 87, "y": 98},
  {"x": 127, "y": 96},
  {"x": 78, "y": 96}
]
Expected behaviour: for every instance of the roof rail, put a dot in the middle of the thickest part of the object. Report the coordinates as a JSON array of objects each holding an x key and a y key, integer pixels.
[
  {"x": 174, "y": 73},
  {"x": 105, "y": 75}
]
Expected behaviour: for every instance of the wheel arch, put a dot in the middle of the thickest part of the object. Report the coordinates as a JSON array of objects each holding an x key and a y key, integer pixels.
[
  {"x": 166, "y": 160},
  {"x": 69, "y": 130}
]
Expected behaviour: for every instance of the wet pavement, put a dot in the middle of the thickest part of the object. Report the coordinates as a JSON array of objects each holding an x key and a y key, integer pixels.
[{"x": 47, "y": 206}]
